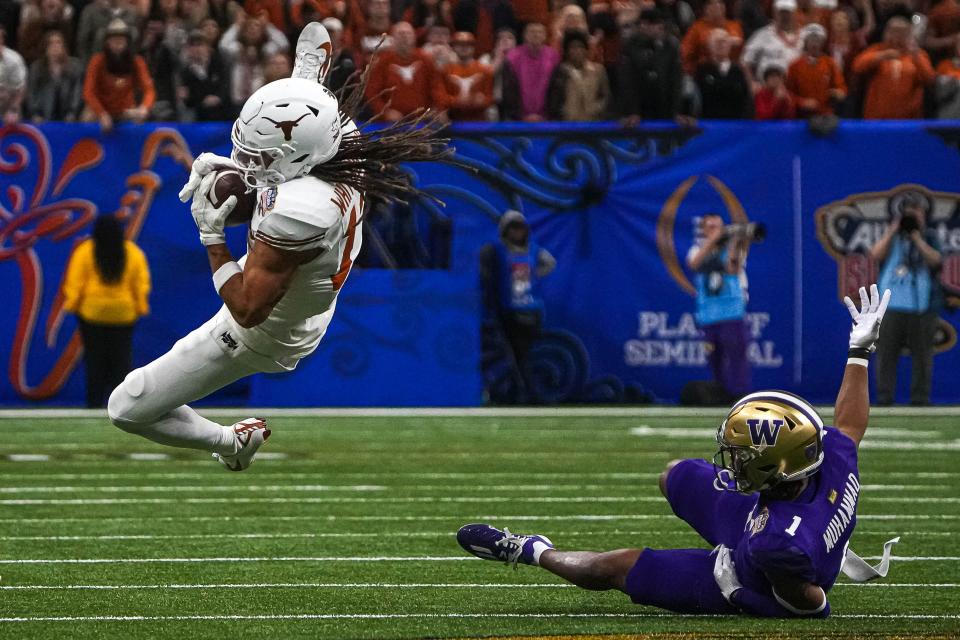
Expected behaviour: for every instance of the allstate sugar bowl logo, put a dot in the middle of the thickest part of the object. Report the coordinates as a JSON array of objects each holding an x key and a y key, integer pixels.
[{"x": 849, "y": 228}]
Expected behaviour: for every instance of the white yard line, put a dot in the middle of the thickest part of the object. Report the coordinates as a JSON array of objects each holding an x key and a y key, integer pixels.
[
  {"x": 435, "y": 616},
  {"x": 394, "y": 500},
  {"x": 251, "y": 559},
  {"x": 278, "y": 475},
  {"x": 365, "y": 488},
  {"x": 348, "y": 559},
  {"x": 375, "y": 585},
  {"x": 450, "y": 518},
  {"x": 480, "y": 412},
  {"x": 391, "y": 534}
]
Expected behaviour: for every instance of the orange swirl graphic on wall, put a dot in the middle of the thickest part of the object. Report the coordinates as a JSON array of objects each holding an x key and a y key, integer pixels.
[
  {"x": 666, "y": 223},
  {"x": 29, "y": 221}
]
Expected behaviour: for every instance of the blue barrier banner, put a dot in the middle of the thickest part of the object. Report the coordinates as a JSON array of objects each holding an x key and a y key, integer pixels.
[{"x": 616, "y": 208}]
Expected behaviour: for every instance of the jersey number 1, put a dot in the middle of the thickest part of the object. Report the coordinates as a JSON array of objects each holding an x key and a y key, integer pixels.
[{"x": 792, "y": 529}]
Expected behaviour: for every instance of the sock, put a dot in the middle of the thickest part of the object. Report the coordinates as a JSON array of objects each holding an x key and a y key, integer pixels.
[
  {"x": 538, "y": 549},
  {"x": 184, "y": 427}
]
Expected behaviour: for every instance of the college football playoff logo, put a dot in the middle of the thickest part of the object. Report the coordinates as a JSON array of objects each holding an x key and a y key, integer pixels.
[{"x": 849, "y": 228}]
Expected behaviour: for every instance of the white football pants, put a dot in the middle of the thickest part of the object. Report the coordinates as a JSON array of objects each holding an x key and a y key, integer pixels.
[{"x": 152, "y": 400}]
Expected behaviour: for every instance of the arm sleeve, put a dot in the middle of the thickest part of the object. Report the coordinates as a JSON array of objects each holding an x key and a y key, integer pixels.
[
  {"x": 376, "y": 85},
  {"x": 145, "y": 82},
  {"x": 510, "y": 100},
  {"x": 688, "y": 51},
  {"x": 141, "y": 283},
  {"x": 278, "y": 42},
  {"x": 546, "y": 263},
  {"x": 866, "y": 61},
  {"x": 90, "y": 85},
  {"x": 838, "y": 81},
  {"x": 556, "y": 93},
  {"x": 925, "y": 69},
  {"x": 74, "y": 278},
  {"x": 229, "y": 44}
]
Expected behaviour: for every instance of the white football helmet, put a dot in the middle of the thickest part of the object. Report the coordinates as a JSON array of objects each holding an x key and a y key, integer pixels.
[{"x": 285, "y": 129}]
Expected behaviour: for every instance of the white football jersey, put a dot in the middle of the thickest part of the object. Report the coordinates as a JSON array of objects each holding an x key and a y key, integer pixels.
[{"x": 305, "y": 214}]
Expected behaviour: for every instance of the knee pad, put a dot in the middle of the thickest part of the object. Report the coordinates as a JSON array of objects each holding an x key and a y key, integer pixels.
[{"x": 121, "y": 407}]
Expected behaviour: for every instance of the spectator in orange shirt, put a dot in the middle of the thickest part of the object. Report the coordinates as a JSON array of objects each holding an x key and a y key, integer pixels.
[
  {"x": 896, "y": 72},
  {"x": 694, "y": 49},
  {"x": 814, "y": 79},
  {"x": 408, "y": 73},
  {"x": 469, "y": 84},
  {"x": 114, "y": 77},
  {"x": 773, "y": 101}
]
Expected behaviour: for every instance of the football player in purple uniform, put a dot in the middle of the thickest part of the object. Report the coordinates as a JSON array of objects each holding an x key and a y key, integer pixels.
[{"x": 778, "y": 505}]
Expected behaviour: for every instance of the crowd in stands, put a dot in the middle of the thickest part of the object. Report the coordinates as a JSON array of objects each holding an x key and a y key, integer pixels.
[{"x": 484, "y": 60}]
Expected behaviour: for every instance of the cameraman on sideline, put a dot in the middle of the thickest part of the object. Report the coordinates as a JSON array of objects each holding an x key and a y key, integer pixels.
[
  {"x": 909, "y": 258},
  {"x": 718, "y": 257}
]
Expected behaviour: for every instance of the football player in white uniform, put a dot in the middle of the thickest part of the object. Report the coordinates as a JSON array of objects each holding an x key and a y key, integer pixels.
[{"x": 312, "y": 168}]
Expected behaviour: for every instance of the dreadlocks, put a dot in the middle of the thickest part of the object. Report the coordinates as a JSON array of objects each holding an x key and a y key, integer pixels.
[{"x": 369, "y": 159}]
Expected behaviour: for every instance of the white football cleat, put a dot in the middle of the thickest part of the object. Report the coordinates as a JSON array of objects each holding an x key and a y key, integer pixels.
[
  {"x": 314, "y": 53},
  {"x": 251, "y": 434}
]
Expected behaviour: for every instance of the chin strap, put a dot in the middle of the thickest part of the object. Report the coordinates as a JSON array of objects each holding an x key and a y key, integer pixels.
[{"x": 859, "y": 570}]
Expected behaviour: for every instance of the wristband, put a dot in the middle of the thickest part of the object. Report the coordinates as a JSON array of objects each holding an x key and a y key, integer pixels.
[
  {"x": 861, "y": 353},
  {"x": 224, "y": 273},
  {"x": 863, "y": 362}
]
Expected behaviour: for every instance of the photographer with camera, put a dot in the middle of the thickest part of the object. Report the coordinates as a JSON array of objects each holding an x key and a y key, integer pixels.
[
  {"x": 718, "y": 257},
  {"x": 909, "y": 259}
]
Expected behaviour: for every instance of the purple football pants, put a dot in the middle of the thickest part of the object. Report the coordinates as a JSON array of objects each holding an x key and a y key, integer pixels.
[{"x": 728, "y": 355}]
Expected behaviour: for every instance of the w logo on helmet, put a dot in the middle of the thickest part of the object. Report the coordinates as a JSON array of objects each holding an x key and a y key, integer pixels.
[{"x": 762, "y": 434}]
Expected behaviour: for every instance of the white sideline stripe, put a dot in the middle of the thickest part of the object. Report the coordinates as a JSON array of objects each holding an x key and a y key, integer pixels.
[
  {"x": 481, "y": 412},
  {"x": 395, "y": 500},
  {"x": 378, "y": 585},
  {"x": 392, "y": 534},
  {"x": 403, "y": 499},
  {"x": 435, "y": 616},
  {"x": 454, "y": 518},
  {"x": 27, "y": 457},
  {"x": 307, "y": 488},
  {"x": 338, "y": 559},
  {"x": 425, "y": 475},
  {"x": 252, "y": 559},
  {"x": 286, "y": 585}
]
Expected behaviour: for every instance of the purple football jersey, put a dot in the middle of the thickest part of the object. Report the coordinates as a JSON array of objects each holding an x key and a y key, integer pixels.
[{"x": 807, "y": 537}]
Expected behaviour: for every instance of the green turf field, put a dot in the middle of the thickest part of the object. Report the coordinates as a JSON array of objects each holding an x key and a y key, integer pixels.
[{"x": 346, "y": 528}]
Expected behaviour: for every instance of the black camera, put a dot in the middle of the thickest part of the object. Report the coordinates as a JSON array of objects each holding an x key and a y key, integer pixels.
[
  {"x": 909, "y": 224},
  {"x": 753, "y": 231}
]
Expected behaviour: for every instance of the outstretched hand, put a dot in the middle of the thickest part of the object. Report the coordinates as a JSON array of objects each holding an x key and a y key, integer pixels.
[{"x": 866, "y": 320}]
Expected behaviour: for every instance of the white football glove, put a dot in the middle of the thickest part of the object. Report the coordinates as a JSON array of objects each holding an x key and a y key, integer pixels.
[
  {"x": 725, "y": 574},
  {"x": 866, "y": 321},
  {"x": 203, "y": 165},
  {"x": 210, "y": 219}
]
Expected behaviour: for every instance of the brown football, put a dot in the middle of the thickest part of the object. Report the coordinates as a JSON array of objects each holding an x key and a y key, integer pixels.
[{"x": 229, "y": 183}]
